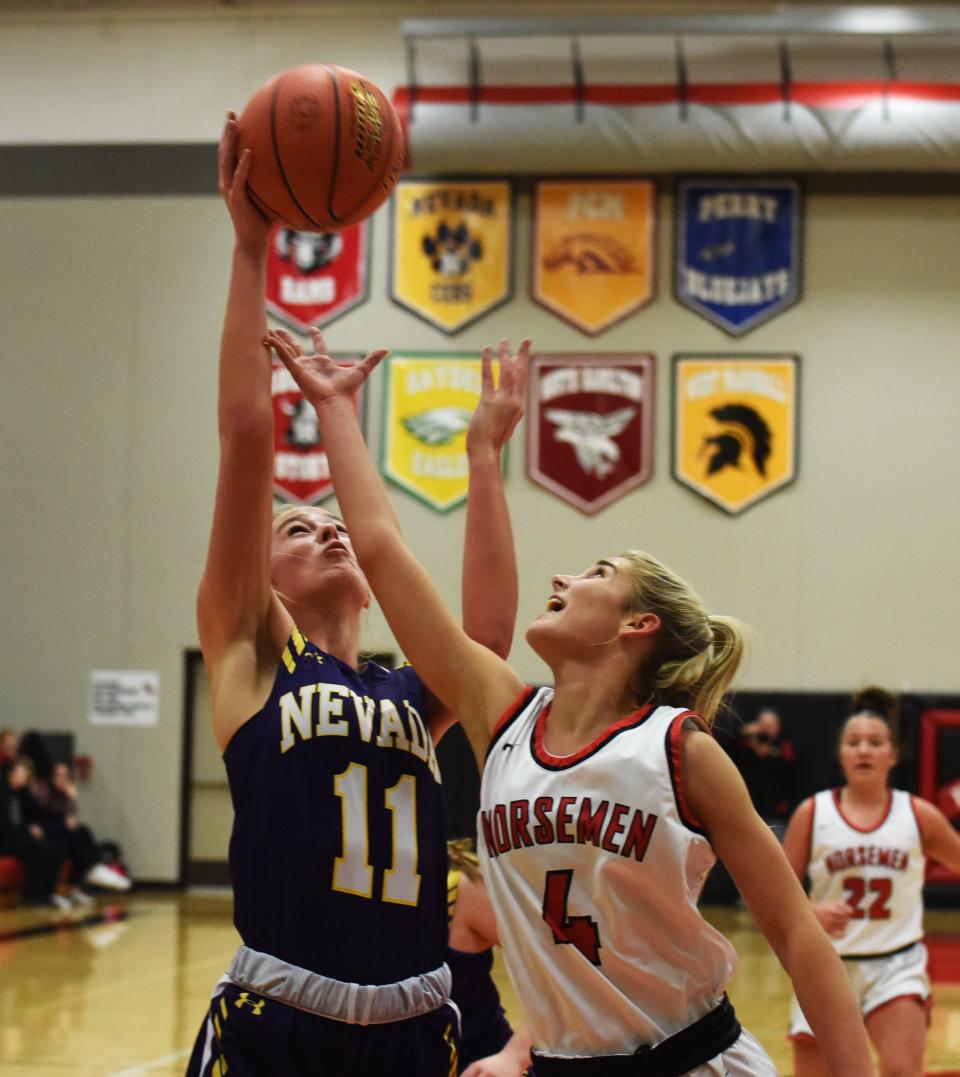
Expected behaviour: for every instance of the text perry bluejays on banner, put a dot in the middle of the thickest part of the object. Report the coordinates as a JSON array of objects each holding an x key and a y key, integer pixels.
[{"x": 738, "y": 249}]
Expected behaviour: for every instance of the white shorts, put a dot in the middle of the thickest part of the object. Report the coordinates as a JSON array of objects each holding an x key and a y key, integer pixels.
[
  {"x": 876, "y": 981},
  {"x": 743, "y": 1058}
]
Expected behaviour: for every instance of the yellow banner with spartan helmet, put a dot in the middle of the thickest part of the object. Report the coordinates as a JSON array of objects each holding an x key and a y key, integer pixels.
[
  {"x": 735, "y": 426},
  {"x": 592, "y": 256},
  {"x": 451, "y": 255},
  {"x": 428, "y": 401}
]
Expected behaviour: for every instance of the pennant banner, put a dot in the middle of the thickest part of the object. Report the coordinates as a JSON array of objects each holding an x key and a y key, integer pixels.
[
  {"x": 314, "y": 277},
  {"x": 451, "y": 255},
  {"x": 301, "y": 471},
  {"x": 590, "y": 426},
  {"x": 592, "y": 250},
  {"x": 738, "y": 256},
  {"x": 428, "y": 400},
  {"x": 735, "y": 426}
]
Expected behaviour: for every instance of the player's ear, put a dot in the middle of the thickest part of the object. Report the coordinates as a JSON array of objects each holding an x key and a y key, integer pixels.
[{"x": 640, "y": 624}]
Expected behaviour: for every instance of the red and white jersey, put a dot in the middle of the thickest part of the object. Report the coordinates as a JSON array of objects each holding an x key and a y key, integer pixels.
[
  {"x": 878, "y": 872},
  {"x": 594, "y": 866}
]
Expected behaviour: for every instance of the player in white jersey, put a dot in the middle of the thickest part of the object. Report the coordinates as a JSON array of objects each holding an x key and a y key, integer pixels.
[
  {"x": 864, "y": 849},
  {"x": 604, "y": 800}
]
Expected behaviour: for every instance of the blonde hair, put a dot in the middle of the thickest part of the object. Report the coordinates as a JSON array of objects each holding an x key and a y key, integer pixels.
[
  {"x": 463, "y": 858},
  {"x": 697, "y": 654}
]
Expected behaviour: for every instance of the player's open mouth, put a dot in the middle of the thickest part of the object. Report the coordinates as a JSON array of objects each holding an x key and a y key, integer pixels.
[{"x": 555, "y": 603}]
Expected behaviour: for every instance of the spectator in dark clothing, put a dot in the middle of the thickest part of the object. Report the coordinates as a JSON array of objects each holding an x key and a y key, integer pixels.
[
  {"x": 766, "y": 761},
  {"x": 56, "y": 806},
  {"x": 21, "y": 836}
]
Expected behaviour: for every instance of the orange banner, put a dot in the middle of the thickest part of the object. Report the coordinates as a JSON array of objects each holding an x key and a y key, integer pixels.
[{"x": 593, "y": 259}]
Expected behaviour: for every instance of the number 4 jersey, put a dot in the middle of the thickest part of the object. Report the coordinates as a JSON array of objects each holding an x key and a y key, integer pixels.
[
  {"x": 594, "y": 866},
  {"x": 878, "y": 872},
  {"x": 337, "y": 855}
]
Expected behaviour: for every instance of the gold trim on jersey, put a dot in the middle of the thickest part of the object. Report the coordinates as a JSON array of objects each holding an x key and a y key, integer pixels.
[
  {"x": 453, "y": 884},
  {"x": 299, "y": 645}
]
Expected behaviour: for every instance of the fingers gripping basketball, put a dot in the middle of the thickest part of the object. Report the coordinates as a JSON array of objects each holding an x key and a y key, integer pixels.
[{"x": 328, "y": 147}]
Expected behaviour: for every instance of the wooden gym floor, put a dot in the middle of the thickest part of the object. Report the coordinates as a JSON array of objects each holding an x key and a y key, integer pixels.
[{"x": 125, "y": 995}]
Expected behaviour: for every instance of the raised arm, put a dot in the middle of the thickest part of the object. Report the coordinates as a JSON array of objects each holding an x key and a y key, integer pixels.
[
  {"x": 490, "y": 589},
  {"x": 235, "y": 600},
  {"x": 719, "y": 800},
  {"x": 465, "y": 676}
]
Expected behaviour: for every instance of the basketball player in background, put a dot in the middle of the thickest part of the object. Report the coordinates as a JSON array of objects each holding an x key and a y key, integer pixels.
[
  {"x": 337, "y": 855},
  {"x": 489, "y": 1047},
  {"x": 602, "y": 800},
  {"x": 864, "y": 848}
]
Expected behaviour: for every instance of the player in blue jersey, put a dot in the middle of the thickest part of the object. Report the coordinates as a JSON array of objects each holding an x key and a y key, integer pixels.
[
  {"x": 337, "y": 856},
  {"x": 602, "y": 801}
]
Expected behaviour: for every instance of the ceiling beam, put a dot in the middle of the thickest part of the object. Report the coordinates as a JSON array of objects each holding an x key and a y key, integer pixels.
[{"x": 887, "y": 20}]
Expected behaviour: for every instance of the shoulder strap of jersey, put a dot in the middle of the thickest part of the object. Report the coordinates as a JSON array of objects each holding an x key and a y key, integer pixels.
[
  {"x": 295, "y": 646},
  {"x": 512, "y": 713}
]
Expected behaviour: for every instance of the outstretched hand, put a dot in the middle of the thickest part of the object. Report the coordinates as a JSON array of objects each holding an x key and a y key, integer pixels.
[
  {"x": 249, "y": 224},
  {"x": 320, "y": 378},
  {"x": 500, "y": 408}
]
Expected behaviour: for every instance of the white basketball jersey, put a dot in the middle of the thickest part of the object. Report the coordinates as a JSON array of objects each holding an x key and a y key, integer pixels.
[
  {"x": 594, "y": 867},
  {"x": 878, "y": 872}
]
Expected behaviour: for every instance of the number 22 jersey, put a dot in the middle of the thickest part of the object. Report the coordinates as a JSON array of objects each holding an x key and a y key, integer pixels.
[
  {"x": 877, "y": 871},
  {"x": 594, "y": 866}
]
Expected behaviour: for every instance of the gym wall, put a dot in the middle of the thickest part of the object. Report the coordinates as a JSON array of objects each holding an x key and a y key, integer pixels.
[{"x": 112, "y": 287}]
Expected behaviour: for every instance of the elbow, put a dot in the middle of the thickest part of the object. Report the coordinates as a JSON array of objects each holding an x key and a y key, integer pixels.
[{"x": 245, "y": 422}]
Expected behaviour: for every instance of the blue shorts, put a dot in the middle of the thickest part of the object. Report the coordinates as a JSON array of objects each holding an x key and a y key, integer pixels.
[{"x": 249, "y": 1035}]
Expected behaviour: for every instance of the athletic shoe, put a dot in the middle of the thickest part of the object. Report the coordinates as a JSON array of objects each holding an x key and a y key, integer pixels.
[
  {"x": 58, "y": 901},
  {"x": 80, "y": 897},
  {"x": 106, "y": 877}
]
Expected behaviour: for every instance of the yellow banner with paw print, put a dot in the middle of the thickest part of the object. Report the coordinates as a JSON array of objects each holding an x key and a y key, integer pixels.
[
  {"x": 427, "y": 403},
  {"x": 451, "y": 251}
]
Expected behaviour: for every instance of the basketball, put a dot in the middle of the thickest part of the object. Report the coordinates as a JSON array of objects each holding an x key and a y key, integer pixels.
[{"x": 328, "y": 147}]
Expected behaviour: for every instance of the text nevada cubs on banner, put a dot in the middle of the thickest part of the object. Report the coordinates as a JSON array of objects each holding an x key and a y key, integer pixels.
[
  {"x": 590, "y": 426},
  {"x": 314, "y": 277},
  {"x": 738, "y": 250},
  {"x": 592, "y": 260},
  {"x": 452, "y": 249},
  {"x": 428, "y": 400},
  {"x": 301, "y": 470},
  {"x": 735, "y": 426}
]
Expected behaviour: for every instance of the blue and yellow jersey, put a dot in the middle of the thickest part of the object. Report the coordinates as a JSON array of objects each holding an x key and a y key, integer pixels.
[{"x": 337, "y": 854}]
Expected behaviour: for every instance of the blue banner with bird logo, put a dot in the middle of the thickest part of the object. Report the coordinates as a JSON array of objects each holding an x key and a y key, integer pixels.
[
  {"x": 735, "y": 437},
  {"x": 738, "y": 250}
]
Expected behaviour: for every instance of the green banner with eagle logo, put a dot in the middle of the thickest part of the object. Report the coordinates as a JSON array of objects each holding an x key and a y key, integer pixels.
[
  {"x": 427, "y": 403},
  {"x": 735, "y": 426}
]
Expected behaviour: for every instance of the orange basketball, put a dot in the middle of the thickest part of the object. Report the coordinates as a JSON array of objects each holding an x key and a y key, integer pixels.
[{"x": 328, "y": 147}]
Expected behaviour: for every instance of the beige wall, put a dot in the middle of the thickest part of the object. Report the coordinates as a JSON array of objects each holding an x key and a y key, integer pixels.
[{"x": 111, "y": 312}]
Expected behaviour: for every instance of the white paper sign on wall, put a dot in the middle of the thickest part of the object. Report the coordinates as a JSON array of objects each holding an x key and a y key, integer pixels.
[{"x": 124, "y": 697}]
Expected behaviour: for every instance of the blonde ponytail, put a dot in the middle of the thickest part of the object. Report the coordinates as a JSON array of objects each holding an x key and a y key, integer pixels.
[{"x": 698, "y": 654}]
